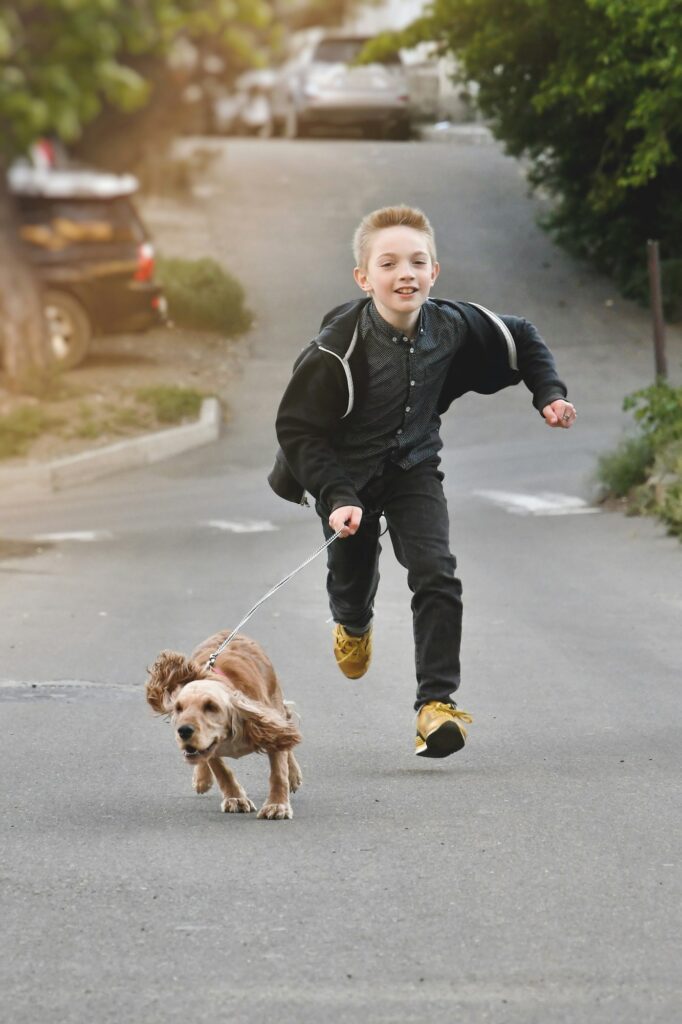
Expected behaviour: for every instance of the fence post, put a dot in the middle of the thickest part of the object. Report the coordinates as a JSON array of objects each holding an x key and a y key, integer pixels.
[{"x": 657, "y": 309}]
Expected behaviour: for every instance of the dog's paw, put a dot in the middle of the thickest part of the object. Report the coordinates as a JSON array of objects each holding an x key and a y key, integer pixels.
[
  {"x": 202, "y": 779},
  {"x": 295, "y": 779},
  {"x": 237, "y": 805},
  {"x": 272, "y": 811}
]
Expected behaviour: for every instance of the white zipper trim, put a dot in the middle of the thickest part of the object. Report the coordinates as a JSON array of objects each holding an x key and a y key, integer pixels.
[
  {"x": 506, "y": 334},
  {"x": 346, "y": 368}
]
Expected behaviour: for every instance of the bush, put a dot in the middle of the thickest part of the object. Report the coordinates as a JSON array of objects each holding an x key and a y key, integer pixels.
[
  {"x": 201, "y": 294},
  {"x": 647, "y": 469},
  {"x": 626, "y": 467},
  {"x": 658, "y": 410}
]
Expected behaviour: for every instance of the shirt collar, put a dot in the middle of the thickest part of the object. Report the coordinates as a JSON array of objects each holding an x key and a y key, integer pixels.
[{"x": 386, "y": 331}]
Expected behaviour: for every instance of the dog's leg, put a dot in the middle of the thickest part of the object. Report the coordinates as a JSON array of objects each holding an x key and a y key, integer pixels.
[
  {"x": 202, "y": 780},
  {"x": 277, "y": 804},
  {"x": 295, "y": 775},
  {"x": 235, "y": 800}
]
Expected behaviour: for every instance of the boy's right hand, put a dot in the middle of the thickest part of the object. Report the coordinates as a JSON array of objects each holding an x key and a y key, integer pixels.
[{"x": 346, "y": 519}]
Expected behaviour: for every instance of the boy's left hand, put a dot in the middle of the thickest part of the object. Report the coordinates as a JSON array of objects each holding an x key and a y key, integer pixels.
[{"x": 559, "y": 413}]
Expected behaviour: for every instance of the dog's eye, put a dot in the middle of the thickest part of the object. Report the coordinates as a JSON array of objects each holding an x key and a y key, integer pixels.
[
  {"x": 177, "y": 709},
  {"x": 210, "y": 707}
]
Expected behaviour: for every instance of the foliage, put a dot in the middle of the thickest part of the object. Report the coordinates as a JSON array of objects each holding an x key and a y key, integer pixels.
[
  {"x": 590, "y": 91},
  {"x": 203, "y": 295},
  {"x": 658, "y": 410},
  {"x": 626, "y": 467},
  {"x": 171, "y": 404},
  {"x": 18, "y": 429},
  {"x": 647, "y": 469},
  {"x": 62, "y": 60}
]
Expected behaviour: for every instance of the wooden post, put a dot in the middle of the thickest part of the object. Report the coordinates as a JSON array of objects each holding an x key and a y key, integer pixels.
[{"x": 657, "y": 309}]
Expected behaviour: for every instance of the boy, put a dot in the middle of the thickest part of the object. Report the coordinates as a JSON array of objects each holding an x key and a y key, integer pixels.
[{"x": 359, "y": 426}]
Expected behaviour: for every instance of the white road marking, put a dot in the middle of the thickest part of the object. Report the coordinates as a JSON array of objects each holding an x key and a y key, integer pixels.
[
  {"x": 86, "y": 536},
  {"x": 243, "y": 526},
  {"x": 544, "y": 504}
]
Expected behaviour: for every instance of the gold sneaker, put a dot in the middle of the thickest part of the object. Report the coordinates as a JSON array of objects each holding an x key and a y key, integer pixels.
[
  {"x": 353, "y": 653},
  {"x": 439, "y": 729}
]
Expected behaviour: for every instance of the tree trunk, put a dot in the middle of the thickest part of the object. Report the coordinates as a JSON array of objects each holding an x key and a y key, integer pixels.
[{"x": 24, "y": 343}]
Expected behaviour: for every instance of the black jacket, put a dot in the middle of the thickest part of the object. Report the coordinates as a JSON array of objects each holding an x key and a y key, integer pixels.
[{"x": 330, "y": 377}]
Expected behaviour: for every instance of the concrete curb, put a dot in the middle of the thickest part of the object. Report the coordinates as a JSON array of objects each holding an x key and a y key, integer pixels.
[
  {"x": 137, "y": 451},
  {"x": 446, "y": 131}
]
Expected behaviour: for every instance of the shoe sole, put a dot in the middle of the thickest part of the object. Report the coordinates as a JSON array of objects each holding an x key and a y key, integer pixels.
[{"x": 442, "y": 742}]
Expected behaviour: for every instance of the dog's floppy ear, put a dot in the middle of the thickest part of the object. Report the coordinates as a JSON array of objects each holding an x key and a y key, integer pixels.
[
  {"x": 260, "y": 726},
  {"x": 169, "y": 672}
]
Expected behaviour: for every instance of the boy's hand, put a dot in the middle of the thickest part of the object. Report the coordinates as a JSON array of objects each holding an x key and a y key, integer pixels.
[
  {"x": 559, "y": 414},
  {"x": 346, "y": 519}
]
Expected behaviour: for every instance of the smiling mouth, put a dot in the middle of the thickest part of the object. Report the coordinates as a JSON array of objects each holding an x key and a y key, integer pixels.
[
  {"x": 191, "y": 753},
  {"x": 406, "y": 291}
]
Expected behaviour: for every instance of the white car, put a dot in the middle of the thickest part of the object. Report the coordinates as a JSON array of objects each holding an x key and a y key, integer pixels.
[{"x": 321, "y": 87}]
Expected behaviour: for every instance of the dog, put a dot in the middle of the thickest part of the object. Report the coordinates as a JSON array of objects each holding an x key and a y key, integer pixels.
[{"x": 233, "y": 709}]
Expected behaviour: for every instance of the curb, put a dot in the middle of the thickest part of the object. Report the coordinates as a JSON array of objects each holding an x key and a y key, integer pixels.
[
  {"x": 448, "y": 131},
  {"x": 67, "y": 472}
]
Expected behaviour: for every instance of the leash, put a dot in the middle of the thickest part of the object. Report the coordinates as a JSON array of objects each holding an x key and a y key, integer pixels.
[{"x": 209, "y": 666}]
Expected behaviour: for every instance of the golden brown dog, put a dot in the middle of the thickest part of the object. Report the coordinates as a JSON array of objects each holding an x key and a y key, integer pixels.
[{"x": 235, "y": 709}]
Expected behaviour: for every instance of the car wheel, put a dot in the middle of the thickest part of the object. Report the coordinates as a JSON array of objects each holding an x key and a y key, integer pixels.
[{"x": 69, "y": 328}]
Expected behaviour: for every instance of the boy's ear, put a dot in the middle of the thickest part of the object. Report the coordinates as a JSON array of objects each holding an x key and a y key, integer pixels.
[
  {"x": 435, "y": 271},
  {"x": 360, "y": 276}
]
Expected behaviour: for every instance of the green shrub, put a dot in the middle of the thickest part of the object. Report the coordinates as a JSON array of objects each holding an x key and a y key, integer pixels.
[
  {"x": 626, "y": 467},
  {"x": 201, "y": 294},
  {"x": 171, "y": 404},
  {"x": 18, "y": 429},
  {"x": 658, "y": 410}
]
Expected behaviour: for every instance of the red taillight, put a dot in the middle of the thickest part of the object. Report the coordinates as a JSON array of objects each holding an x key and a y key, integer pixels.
[{"x": 145, "y": 262}]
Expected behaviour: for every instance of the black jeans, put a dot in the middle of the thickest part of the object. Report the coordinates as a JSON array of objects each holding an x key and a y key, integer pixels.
[{"x": 416, "y": 512}]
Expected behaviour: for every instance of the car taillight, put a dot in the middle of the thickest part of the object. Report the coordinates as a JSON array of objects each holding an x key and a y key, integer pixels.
[{"x": 145, "y": 262}]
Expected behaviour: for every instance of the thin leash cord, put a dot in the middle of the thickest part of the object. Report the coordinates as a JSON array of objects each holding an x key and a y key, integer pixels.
[{"x": 212, "y": 660}]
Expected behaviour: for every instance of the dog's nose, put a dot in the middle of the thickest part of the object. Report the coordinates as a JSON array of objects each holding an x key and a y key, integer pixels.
[{"x": 185, "y": 731}]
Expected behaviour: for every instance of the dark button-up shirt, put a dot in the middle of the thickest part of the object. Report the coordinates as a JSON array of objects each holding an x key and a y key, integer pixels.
[{"x": 396, "y": 420}]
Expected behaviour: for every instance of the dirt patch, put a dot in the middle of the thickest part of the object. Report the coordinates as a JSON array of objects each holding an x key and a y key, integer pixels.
[{"x": 96, "y": 403}]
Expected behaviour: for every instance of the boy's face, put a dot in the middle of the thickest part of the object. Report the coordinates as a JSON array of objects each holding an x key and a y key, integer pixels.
[{"x": 399, "y": 273}]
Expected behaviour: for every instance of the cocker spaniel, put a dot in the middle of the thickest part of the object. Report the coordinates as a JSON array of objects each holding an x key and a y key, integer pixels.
[{"x": 234, "y": 709}]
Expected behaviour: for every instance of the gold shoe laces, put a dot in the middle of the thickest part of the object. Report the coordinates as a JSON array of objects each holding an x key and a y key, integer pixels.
[{"x": 448, "y": 709}]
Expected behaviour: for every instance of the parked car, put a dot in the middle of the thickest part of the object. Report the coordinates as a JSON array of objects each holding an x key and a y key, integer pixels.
[
  {"x": 91, "y": 252},
  {"x": 320, "y": 86},
  {"x": 246, "y": 110}
]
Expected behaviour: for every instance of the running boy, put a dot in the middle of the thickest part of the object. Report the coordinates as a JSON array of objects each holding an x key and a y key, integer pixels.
[{"x": 359, "y": 428}]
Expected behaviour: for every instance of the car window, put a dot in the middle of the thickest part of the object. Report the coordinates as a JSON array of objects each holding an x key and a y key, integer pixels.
[
  {"x": 59, "y": 223},
  {"x": 344, "y": 51}
]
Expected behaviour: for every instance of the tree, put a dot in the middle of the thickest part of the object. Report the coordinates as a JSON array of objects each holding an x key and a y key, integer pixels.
[
  {"x": 590, "y": 91},
  {"x": 62, "y": 63}
]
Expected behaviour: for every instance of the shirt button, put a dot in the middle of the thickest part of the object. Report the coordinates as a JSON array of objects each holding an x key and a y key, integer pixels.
[
  {"x": 411, "y": 350},
  {"x": 421, "y": 330},
  {"x": 411, "y": 383},
  {"x": 399, "y": 431},
  {"x": 407, "y": 408},
  {"x": 394, "y": 339}
]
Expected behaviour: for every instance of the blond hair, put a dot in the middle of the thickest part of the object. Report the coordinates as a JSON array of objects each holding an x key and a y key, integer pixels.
[{"x": 390, "y": 217}]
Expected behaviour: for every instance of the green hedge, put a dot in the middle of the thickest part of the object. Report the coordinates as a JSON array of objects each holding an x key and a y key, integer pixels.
[{"x": 201, "y": 294}]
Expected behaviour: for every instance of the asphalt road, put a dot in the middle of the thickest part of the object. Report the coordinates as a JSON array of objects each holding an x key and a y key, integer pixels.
[{"x": 535, "y": 877}]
